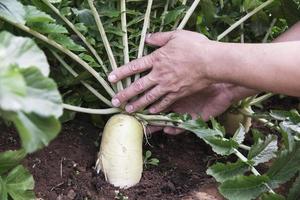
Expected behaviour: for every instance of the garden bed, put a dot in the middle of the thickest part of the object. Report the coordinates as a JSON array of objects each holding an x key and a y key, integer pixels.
[{"x": 64, "y": 170}]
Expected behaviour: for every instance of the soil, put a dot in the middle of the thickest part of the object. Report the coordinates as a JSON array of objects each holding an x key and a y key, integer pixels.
[{"x": 64, "y": 170}]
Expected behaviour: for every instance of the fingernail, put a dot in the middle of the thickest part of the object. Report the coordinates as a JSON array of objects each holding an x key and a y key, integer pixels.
[
  {"x": 112, "y": 78},
  {"x": 152, "y": 110},
  {"x": 129, "y": 108},
  {"x": 149, "y": 35},
  {"x": 116, "y": 102}
]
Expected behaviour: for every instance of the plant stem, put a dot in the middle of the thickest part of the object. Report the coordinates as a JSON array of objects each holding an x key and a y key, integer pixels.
[
  {"x": 143, "y": 33},
  {"x": 269, "y": 30},
  {"x": 92, "y": 111},
  {"x": 245, "y": 147},
  {"x": 105, "y": 40},
  {"x": 125, "y": 38},
  {"x": 80, "y": 35},
  {"x": 163, "y": 16},
  {"x": 178, "y": 20},
  {"x": 188, "y": 14},
  {"x": 160, "y": 118},
  {"x": 243, "y": 19},
  {"x": 75, "y": 74},
  {"x": 253, "y": 169},
  {"x": 260, "y": 99},
  {"x": 67, "y": 52}
]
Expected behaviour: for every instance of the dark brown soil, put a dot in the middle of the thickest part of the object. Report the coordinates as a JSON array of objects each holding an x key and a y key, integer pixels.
[{"x": 64, "y": 170}]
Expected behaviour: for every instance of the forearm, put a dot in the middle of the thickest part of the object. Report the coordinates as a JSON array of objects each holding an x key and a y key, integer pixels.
[
  {"x": 265, "y": 67},
  {"x": 293, "y": 34}
]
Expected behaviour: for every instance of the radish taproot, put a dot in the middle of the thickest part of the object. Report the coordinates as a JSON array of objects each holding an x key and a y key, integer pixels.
[
  {"x": 232, "y": 120},
  {"x": 121, "y": 155}
]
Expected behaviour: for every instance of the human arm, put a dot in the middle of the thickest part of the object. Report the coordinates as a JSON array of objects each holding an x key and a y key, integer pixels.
[{"x": 206, "y": 62}]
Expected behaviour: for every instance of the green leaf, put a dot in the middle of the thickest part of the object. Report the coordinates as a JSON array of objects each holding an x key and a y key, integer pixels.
[
  {"x": 239, "y": 135},
  {"x": 27, "y": 90},
  {"x": 22, "y": 52},
  {"x": 263, "y": 151},
  {"x": 18, "y": 184},
  {"x": 270, "y": 196},
  {"x": 48, "y": 28},
  {"x": 43, "y": 97},
  {"x": 223, "y": 172},
  {"x": 35, "y": 131},
  {"x": 173, "y": 15},
  {"x": 285, "y": 166},
  {"x": 294, "y": 191},
  {"x": 221, "y": 146},
  {"x": 34, "y": 15},
  {"x": 10, "y": 159},
  {"x": 244, "y": 187},
  {"x": 67, "y": 42},
  {"x": 12, "y": 10}
]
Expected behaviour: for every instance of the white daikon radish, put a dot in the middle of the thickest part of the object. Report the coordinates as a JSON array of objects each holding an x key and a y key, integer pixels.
[
  {"x": 231, "y": 121},
  {"x": 121, "y": 155}
]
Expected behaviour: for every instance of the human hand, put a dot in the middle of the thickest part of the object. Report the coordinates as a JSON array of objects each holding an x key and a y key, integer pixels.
[
  {"x": 177, "y": 69},
  {"x": 210, "y": 102}
]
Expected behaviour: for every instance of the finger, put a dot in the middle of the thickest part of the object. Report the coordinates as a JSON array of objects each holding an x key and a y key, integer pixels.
[
  {"x": 134, "y": 67},
  {"x": 163, "y": 104},
  {"x": 148, "y": 98},
  {"x": 173, "y": 131},
  {"x": 133, "y": 90},
  {"x": 159, "y": 39}
]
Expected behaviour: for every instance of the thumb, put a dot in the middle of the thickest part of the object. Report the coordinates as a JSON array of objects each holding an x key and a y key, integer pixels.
[{"x": 160, "y": 38}]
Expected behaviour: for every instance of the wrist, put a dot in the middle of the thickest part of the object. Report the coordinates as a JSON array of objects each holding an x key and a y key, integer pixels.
[
  {"x": 217, "y": 61},
  {"x": 239, "y": 92}
]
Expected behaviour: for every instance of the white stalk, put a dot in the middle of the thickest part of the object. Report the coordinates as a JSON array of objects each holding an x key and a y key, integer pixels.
[
  {"x": 125, "y": 37},
  {"x": 106, "y": 43},
  {"x": 253, "y": 169},
  {"x": 269, "y": 31},
  {"x": 143, "y": 33},
  {"x": 80, "y": 35},
  {"x": 163, "y": 16},
  {"x": 243, "y": 19},
  {"x": 188, "y": 15},
  {"x": 107, "y": 111},
  {"x": 178, "y": 20},
  {"x": 121, "y": 152},
  {"x": 88, "y": 86},
  {"x": 65, "y": 51}
]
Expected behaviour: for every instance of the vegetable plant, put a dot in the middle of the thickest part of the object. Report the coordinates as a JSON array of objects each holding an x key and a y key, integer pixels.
[{"x": 84, "y": 40}]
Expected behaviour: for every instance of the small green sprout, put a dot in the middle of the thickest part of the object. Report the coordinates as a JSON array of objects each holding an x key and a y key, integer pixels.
[{"x": 150, "y": 161}]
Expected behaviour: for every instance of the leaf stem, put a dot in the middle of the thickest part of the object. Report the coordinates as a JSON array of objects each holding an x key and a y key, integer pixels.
[
  {"x": 163, "y": 16},
  {"x": 107, "y": 111},
  {"x": 253, "y": 169},
  {"x": 75, "y": 74},
  {"x": 269, "y": 30},
  {"x": 105, "y": 40},
  {"x": 188, "y": 14},
  {"x": 80, "y": 35},
  {"x": 125, "y": 37},
  {"x": 243, "y": 19},
  {"x": 143, "y": 33},
  {"x": 67, "y": 52},
  {"x": 178, "y": 20}
]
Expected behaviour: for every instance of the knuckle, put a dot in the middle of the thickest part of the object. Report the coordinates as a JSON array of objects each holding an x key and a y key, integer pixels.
[
  {"x": 138, "y": 86},
  {"x": 150, "y": 97},
  {"x": 134, "y": 67},
  {"x": 122, "y": 96}
]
